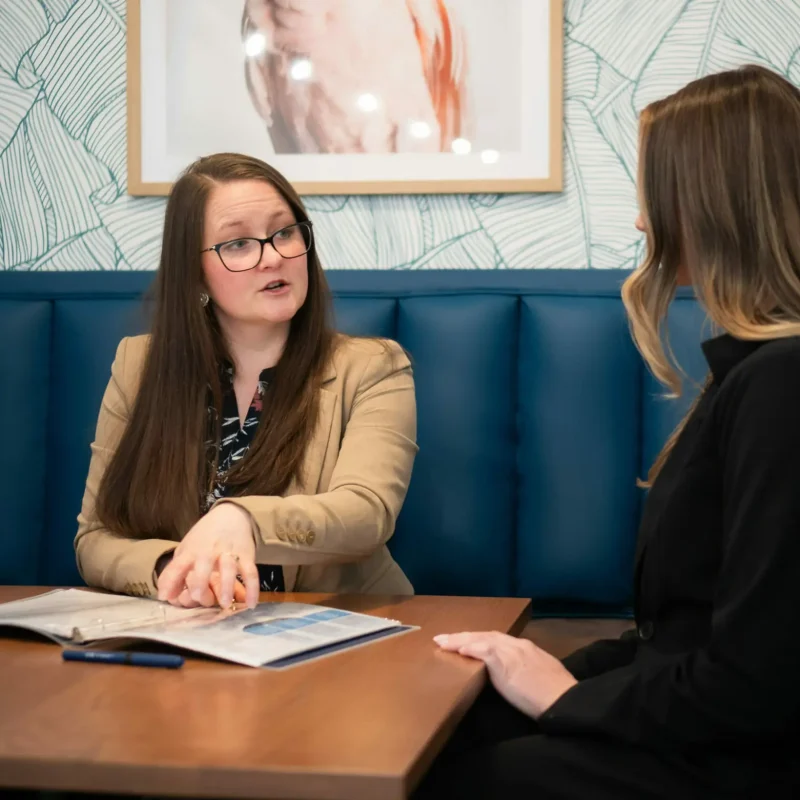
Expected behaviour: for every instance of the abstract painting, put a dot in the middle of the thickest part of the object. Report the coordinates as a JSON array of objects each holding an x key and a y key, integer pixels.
[{"x": 350, "y": 96}]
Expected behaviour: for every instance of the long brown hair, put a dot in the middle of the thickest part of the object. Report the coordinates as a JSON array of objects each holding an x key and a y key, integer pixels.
[
  {"x": 158, "y": 477},
  {"x": 719, "y": 185}
]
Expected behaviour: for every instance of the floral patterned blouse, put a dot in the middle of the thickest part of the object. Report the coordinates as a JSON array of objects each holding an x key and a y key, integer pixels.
[{"x": 234, "y": 442}]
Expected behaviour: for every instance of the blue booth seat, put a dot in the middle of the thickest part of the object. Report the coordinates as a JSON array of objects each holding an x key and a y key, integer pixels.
[{"x": 536, "y": 416}]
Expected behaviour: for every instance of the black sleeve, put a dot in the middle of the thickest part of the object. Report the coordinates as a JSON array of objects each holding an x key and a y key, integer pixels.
[
  {"x": 602, "y": 656},
  {"x": 746, "y": 682}
]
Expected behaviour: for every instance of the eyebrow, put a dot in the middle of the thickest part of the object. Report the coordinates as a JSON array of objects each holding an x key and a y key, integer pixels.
[{"x": 235, "y": 223}]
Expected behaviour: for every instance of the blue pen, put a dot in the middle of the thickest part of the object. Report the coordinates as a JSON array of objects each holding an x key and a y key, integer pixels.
[{"x": 133, "y": 659}]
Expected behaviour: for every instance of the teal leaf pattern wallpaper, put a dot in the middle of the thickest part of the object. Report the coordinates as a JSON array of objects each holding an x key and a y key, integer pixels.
[{"x": 63, "y": 200}]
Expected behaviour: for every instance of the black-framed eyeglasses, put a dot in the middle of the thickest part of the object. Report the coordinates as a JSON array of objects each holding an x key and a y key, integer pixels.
[{"x": 240, "y": 255}]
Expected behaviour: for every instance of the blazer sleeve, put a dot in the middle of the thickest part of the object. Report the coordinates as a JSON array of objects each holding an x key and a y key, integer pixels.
[
  {"x": 106, "y": 559},
  {"x": 743, "y": 684},
  {"x": 357, "y": 514}
]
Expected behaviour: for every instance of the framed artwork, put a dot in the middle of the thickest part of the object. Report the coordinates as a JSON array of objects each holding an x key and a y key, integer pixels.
[{"x": 350, "y": 96}]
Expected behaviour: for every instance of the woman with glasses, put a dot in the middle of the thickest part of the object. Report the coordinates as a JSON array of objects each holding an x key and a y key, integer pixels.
[{"x": 244, "y": 446}]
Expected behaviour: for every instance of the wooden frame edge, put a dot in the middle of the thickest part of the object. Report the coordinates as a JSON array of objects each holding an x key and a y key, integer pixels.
[
  {"x": 134, "y": 100},
  {"x": 556, "y": 176},
  {"x": 553, "y": 183}
]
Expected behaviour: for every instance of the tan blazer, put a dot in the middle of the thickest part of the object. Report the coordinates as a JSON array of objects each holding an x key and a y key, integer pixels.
[{"x": 330, "y": 529}]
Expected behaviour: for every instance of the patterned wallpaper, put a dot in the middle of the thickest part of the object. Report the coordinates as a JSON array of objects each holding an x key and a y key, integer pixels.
[{"x": 63, "y": 204}]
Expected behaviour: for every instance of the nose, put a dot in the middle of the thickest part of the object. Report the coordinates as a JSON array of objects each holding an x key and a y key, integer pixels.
[
  {"x": 270, "y": 257},
  {"x": 639, "y": 223}
]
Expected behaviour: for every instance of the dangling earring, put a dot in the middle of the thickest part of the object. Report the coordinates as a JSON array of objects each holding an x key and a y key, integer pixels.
[{"x": 203, "y": 299}]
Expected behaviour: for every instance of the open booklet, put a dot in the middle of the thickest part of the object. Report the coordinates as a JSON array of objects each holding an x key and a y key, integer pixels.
[{"x": 272, "y": 635}]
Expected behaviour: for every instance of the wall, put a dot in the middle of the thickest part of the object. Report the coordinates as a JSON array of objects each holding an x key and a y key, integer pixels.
[{"x": 62, "y": 143}]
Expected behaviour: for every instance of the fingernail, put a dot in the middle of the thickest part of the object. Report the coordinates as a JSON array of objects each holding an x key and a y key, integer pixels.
[{"x": 442, "y": 638}]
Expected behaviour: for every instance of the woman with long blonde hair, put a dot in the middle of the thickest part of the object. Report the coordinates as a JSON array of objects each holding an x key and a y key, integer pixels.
[{"x": 702, "y": 699}]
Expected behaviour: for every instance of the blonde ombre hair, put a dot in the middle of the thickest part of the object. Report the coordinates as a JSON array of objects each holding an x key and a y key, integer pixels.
[{"x": 719, "y": 190}]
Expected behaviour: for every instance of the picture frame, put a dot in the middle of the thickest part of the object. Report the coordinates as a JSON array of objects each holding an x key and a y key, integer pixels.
[{"x": 469, "y": 102}]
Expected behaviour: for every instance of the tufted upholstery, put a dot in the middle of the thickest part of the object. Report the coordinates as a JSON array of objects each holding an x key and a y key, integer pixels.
[{"x": 536, "y": 415}]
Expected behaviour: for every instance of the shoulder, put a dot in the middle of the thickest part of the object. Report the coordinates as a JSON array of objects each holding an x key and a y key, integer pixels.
[
  {"x": 776, "y": 361},
  {"x": 764, "y": 389},
  {"x": 357, "y": 356},
  {"x": 135, "y": 348},
  {"x": 362, "y": 367},
  {"x": 129, "y": 362}
]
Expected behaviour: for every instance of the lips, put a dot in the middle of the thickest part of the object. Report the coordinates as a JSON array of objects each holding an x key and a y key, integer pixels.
[{"x": 274, "y": 286}]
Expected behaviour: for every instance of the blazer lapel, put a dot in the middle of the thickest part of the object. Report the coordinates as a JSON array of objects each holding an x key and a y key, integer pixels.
[{"x": 314, "y": 459}]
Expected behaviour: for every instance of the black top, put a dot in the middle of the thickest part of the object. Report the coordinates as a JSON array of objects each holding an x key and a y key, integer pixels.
[
  {"x": 234, "y": 442},
  {"x": 714, "y": 666}
]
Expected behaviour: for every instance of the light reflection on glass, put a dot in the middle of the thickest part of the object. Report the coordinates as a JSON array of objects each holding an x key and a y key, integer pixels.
[
  {"x": 490, "y": 156},
  {"x": 420, "y": 129},
  {"x": 461, "y": 146},
  {"x": 301, "y": 69},
  {"x": 254, "y": 44},
  {"x": 367, "y": 102}
]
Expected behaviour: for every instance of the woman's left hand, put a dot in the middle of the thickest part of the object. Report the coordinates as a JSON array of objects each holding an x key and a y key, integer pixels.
[
  {"x": 219, "y": 546},
  {"x": 527, "y": 676}
]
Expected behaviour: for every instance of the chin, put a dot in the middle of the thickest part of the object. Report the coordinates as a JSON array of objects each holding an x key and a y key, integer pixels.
[
  {"x": 275, "y": 316},
  {"x": 277, "y": 319},
  {"x": 277, "y": 309}
]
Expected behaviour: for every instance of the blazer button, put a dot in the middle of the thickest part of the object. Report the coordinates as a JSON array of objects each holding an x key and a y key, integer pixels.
[
  {"x": 310, "y": 536},
  {"x": 646, "y": 631}
]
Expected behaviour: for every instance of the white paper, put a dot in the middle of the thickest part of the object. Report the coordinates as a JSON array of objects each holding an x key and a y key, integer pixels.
[
  {"x": 269, "y": 632},
  {"x": 81, "y": 615},
  {"x": 253, "y": 637}
]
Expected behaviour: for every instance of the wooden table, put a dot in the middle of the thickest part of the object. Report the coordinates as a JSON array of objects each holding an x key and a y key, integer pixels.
[{"x": 364, "y": 723}]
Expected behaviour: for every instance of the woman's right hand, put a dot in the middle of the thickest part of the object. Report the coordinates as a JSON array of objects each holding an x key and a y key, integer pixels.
[
  {"x": 220, "y": 542},
  {"x": 210, "y": 595}
]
